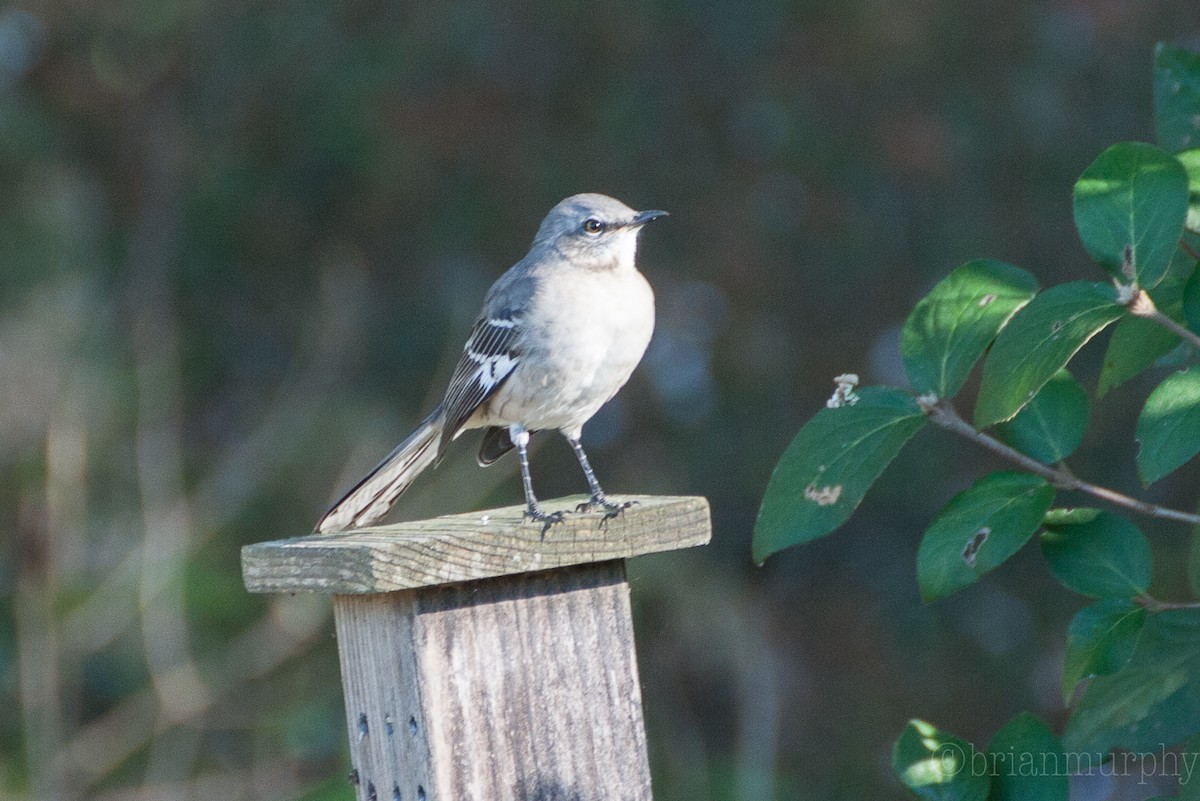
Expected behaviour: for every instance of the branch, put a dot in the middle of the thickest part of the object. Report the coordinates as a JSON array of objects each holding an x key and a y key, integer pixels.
[
  {"x": 1151, "y": 604},
  {"x": 1188, "y": 249},
  {"x": 1142, "y": 306},
  {"x": 942, "y": 413}
]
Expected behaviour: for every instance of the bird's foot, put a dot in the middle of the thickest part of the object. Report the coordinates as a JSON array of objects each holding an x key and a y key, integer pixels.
[
  {"x": 598, "y": 502},
  {"x": 536, "y": 515}
]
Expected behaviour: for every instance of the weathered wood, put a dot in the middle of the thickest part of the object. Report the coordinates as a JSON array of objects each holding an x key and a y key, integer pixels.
[
  {"x": 515, "y": 688},
  {"x": 482, "y": 660},
  {"x": 476, "y": 545}
]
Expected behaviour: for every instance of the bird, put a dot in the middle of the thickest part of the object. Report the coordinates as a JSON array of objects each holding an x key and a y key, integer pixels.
[{"x": 560, "y": 332}]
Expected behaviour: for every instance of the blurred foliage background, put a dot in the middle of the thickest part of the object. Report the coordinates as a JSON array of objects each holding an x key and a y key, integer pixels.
[{"x": 241, "y": 246}]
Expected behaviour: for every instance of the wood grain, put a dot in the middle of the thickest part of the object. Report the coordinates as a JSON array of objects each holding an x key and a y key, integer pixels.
[
  {"x": 518, "y": 688},
  {"x": 475, "y": 545}
]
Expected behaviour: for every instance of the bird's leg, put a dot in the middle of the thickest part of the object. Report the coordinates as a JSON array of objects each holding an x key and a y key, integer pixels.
[
  {"x": 533, "y": 511},
  {"x": 598, "y": 500}
]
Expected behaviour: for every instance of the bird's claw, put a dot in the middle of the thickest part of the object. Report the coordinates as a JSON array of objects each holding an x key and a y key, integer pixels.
[
  {"x": 547, "y": 520},
  {"x": 611, "y": 509}
]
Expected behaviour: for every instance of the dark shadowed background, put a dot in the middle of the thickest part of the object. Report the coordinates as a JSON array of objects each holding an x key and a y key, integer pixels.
[{"x": 242, "y": 244}]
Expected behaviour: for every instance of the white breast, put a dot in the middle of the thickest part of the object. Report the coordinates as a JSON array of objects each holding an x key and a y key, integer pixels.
[{"x": 595, "y": 327}]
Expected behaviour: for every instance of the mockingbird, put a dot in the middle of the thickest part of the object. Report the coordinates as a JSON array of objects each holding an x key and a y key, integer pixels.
[{"x": 559, "y": 334}]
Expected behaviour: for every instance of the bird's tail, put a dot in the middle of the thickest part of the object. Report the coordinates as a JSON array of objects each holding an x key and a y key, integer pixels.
[{"x": 372, "y": 497}]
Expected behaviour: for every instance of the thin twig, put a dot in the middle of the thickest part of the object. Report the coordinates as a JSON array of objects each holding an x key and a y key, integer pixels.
[
  {"x": 1143, "y": 306},
  {"x": 1151, "y": 604},
  {"x": 943, "y": 414},
  {"x": 1188, "y": 249},
  {"x": 1166, "y": 322}
]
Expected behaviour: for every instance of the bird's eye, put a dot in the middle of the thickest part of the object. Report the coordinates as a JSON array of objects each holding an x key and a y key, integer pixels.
[{"x": 593, "y": 226}]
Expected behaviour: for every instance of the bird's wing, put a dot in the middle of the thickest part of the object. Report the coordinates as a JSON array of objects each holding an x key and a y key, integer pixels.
[{"x": 491, "y": 354}]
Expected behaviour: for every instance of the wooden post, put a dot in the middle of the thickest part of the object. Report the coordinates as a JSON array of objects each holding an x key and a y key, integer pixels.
[{"x": 481, "y": 660}]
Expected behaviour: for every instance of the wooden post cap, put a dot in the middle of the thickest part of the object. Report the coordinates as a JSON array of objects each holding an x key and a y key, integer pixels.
[{"x": 474, "y": 545}]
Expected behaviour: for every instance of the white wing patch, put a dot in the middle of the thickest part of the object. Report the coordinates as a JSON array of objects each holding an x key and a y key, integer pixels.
[
  {"x": 489, "y": 357},
  {"x": 493, "y": 369}
]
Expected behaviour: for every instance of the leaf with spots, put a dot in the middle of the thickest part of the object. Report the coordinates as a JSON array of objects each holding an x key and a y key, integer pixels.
[
  {"x": 1130, "y": 206},
  {"x": 979, "y": 529},
  {"x": 951, "y": 327},
  {"x": 1038, "y": 342},
  {"x": 830, "y": 465}
]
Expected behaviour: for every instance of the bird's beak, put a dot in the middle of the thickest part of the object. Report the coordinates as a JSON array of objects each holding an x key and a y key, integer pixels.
[{"x": 643, "y": 217}]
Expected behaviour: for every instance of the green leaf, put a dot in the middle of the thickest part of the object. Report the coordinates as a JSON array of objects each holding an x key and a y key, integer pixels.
[
  {"x": 1100, "y": 640},
  {"x": 1135, "y": 345},
  {"x": 979, "y": 529},
  {"x": 1169, "y": 426},
  {"x": 1183, "y": 265},
  {"x": 1189, "y": 776},
  {"x": 1071, "y": 516},
  {"x": 1193, "y": 566},
  {"x": 1152, "y": 701},
  {"x": 1190, "y": 159},
  {"x": 1134, "y": 198},
  {"x": 1052, "y": 425},
  {"x": 1038, "y": 342},
  {"x": 951, "y": 327},
  {"x": 1107, "y": 558},
  {"x": 1191, "y": 300},
  {"x": 1176, "y": 97},
  {"x": 1026, "y": 762},
  {"x": 937, "y": 766},
  {"x": 830, "y": 465}
]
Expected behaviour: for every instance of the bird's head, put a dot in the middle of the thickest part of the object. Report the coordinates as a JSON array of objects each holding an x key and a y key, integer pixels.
[{"x": 594, "y": 231}]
